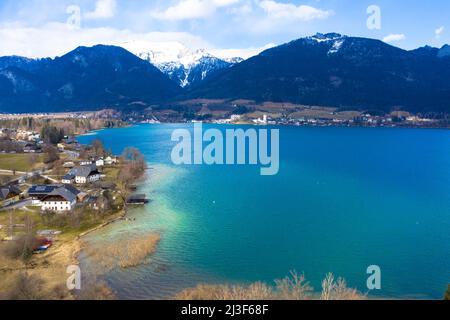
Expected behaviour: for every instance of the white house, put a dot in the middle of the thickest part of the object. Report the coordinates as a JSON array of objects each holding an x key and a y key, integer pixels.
[
  {"x": 235, "y": 117},
  {"x": 100, "y": 163},
  {"x": 60, "y": 200},
  {"x": 68, "y": 179},
  {"x": 109, "y": 160},
  {"x": 34, "y": 137},
  {"x": 85, "y": 174},
  {"x": 39, "y": 192},
  {"x": 69, "y": 164},
  {"x": 261, "y": 121}
]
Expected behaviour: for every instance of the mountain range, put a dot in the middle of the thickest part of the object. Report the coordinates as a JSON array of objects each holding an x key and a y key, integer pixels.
[
  {"x": 86, "y": 78},
  {"x": 183, "y": 65},
  {"x": 324, "y": 70},
  {"x": 339, "y": 71}
]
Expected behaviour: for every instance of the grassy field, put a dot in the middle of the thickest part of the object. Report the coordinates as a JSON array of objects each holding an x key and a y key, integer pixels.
[
  {"x": 111, "y": 173},
  {"x": 19, "y": 217},
  {"x": 19, "y": 162},
  {"x": 70, "y": 228}
]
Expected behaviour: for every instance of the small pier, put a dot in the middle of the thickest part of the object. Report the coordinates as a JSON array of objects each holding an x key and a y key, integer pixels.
[{"x": 137, "y": 199}]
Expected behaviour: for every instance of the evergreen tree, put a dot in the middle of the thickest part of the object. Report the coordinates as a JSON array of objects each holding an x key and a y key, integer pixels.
[{"x": 51, "y": 134}]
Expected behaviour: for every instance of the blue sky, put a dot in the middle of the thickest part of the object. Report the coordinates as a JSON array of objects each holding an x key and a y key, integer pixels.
[{"x": 38, "y": 28}]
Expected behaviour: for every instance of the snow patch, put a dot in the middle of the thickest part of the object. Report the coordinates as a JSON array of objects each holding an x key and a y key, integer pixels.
[
  {"x": 337, "y": 45},
  {"x": 319, "y": 37},
  {"x": 176, "y": 60}
]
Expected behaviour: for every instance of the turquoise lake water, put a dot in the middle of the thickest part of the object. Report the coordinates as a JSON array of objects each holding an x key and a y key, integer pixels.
[{"x": 344, "y": 199}]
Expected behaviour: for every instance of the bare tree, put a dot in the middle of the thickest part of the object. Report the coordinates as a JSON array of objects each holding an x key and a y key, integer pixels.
[
  {"x": 58, "y": 168},
  {"x": 133, "y": 167},
  {"x": 125, "y": 180},
  {"x": 24, "y": 287},
  {"x": 293, "y": 287},
  {"x": 32, "y": 160},
  {"x": 327, "y": 287},
  {"x": 98, "y": 148},
  {"x": 337, "y": 290},
  {"x": 51, "y": 154},
  {"x": 22, "y": 247},
  {"x": 134, "y": 158}
]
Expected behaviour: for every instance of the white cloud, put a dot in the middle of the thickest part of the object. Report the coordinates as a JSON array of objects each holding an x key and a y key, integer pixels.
[
  {"x": 224, "y": 3},
  {"x": 243, "y": 10},
  {"x": 277, "y": 10},
  {"x": 104, "y": 9},
  {"x": 394, "y": 38},
  {"x": 192, "y": 9},
  {"x": 244, "y": 53},
  {"x": 56, "y": 39},
  {"x": 438, "y": 32}
]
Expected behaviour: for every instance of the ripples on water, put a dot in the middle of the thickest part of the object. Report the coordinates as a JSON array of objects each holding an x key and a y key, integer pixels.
[{"x": 345, "y": 198}]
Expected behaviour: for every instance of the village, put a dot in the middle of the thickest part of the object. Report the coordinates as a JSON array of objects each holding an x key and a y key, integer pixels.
[
  {"x": 52, "y": 186},
  {"x": 326, "y": 117}
]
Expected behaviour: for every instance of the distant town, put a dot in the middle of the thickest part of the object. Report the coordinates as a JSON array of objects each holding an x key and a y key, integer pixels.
[{"x": 249, "y": 112}]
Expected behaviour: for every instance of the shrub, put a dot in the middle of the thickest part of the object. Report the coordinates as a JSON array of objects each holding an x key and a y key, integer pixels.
[
  {"x": 293, "y": 287},
  {"x": 23, "y": 287}
]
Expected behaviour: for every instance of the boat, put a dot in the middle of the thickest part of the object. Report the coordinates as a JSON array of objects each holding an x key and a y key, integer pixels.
[{"x": 42, "y": 246}]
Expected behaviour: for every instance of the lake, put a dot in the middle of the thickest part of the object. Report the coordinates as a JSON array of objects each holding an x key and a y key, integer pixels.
[{"x": 344, "y": 199}]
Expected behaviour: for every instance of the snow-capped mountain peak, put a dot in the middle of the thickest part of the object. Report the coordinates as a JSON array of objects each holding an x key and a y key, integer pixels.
[
  {"x": 333, "y": 40},
  {"x": 234, "y": 60},
  {"x": 181, "y": 64},
  {"x": 190, "y": 58},
  {"x": 156, "y": 52}
]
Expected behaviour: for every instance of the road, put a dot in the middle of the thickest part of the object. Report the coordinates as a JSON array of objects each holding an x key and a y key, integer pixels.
[
  {"x": 71, "y": 155},
  {"x": 18, "y": 205}
]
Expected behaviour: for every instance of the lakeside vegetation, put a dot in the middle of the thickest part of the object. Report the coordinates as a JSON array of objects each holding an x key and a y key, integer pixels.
[
  {"x": 292, "y": 287},
  {"x": 70, "y": 126},
  {"x": 123, "y": 253}
]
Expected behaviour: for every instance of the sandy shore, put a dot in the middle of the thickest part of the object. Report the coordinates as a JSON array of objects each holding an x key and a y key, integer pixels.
[
  {"x": 48, "y": 270},
  {"x": 52, "y": 268},
  {"x": 43, "y": 277}
]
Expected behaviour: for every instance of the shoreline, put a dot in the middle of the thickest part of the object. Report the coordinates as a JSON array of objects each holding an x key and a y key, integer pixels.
[{"x": 292, "y": 125}]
